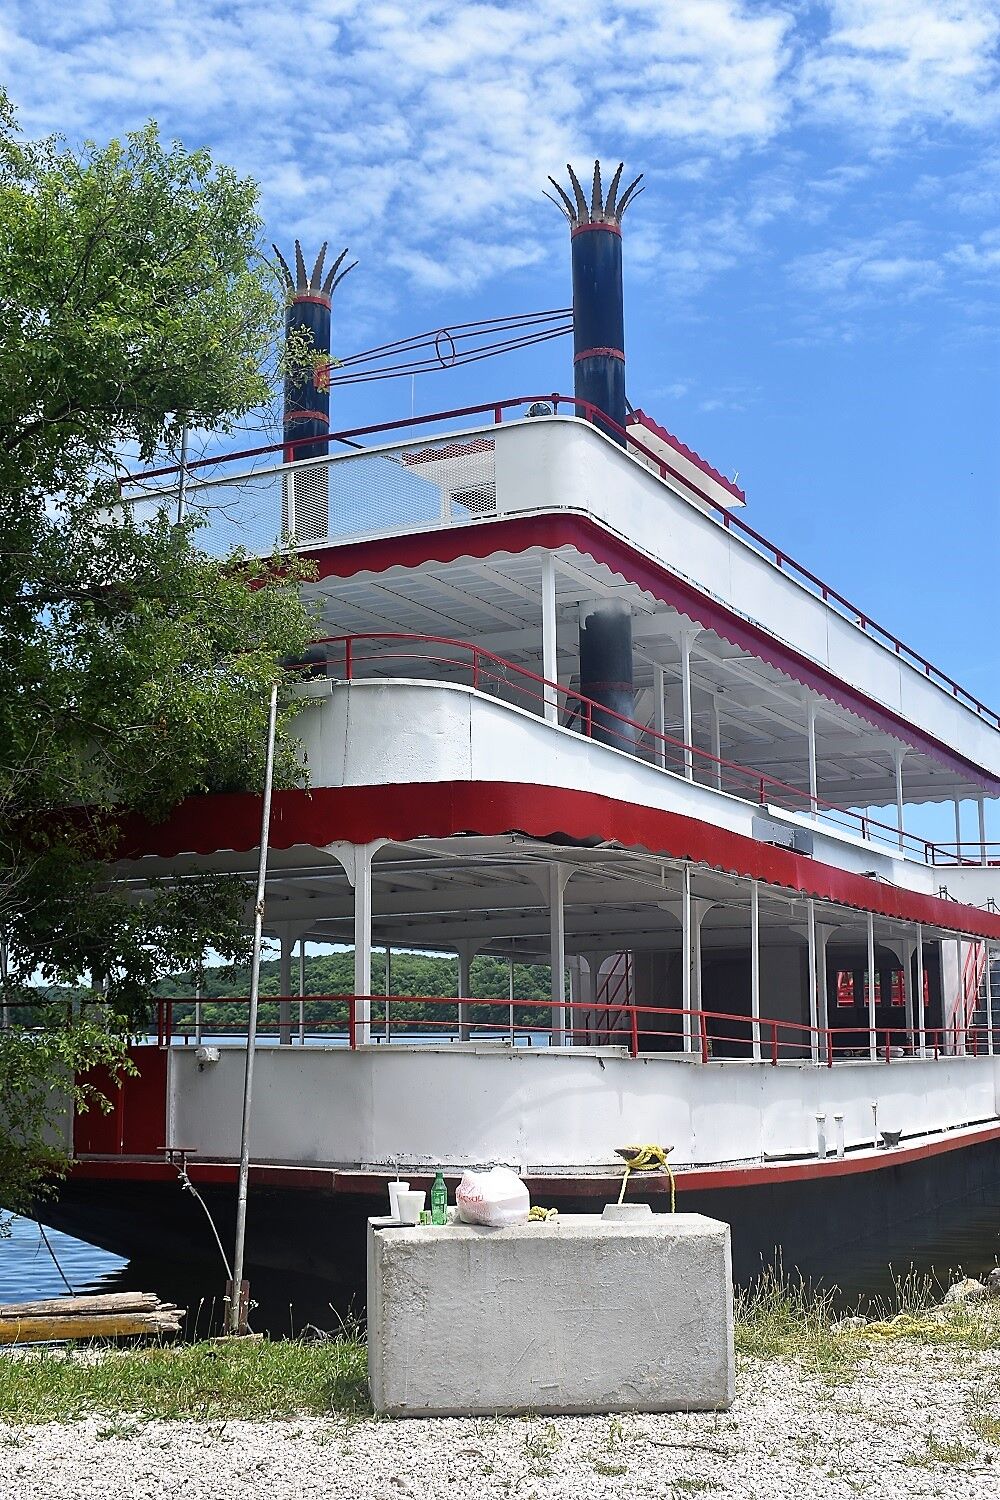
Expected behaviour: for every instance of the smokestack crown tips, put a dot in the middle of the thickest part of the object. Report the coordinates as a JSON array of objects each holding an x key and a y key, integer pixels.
[
  {"x": 313, "y": 284},
  {"x": 601, "y": 209}
]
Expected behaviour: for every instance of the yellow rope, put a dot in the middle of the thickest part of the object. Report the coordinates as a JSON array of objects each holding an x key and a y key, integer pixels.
[{"x": 649, "y": 1159}]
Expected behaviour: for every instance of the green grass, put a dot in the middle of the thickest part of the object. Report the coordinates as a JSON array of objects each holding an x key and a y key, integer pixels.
[{"x": 251, "y": 1378}]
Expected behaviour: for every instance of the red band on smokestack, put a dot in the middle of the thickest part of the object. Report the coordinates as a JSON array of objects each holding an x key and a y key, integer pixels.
[
  {"x": 596, "y": 224},
  {"x": 320, "y": 297},
  {"x": 599, "y": 354},
  {"x": 305, "y": 416}
]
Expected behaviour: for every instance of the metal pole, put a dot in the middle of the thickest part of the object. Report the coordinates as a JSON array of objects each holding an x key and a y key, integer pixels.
[
  {"x": 717, "y": 742},
  {"x": 197, "y": 1007},
  {"x": 813, "y": 998},
  {"x": 182, "y": 478},
  {"x": 238, "y": 1300},
  {"x": 958, "y": 831},
  {"x": 4, "y": 1008},
  {"x": 659, "y": 715},
  {"x": 813, "y": 774},
  {"x": 898, "y": 762},
  {"x": 686, "y": 959},
  {"x": 686, "y": 640},
  {"x": 549, "y": 639},
  {"x": 872, "y": 1042},
  {"x": 982, "y": 831},
  {"x": 755, "y": 966},
  {"x": 510, "y": 995},
  {"x": 388, "y": 986},
  {"x": 921, "y": 1016}
]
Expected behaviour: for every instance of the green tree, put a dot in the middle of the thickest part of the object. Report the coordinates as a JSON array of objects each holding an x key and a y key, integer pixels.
[{"x": 134, "y": 668}]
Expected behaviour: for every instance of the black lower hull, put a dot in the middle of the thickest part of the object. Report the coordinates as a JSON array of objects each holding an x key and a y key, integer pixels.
[{"x": 307, "y": 1248}]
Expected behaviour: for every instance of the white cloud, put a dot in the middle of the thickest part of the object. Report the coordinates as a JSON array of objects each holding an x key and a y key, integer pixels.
[
  {"x": 981, "y": 258},
  {"x": 863, "y": 270},
  {"x": 890, "y": 63},
  {"x": 422, "y": 132}
]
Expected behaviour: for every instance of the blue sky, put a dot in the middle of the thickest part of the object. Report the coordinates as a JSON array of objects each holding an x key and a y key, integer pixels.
[{"x": 811, "y": 292}]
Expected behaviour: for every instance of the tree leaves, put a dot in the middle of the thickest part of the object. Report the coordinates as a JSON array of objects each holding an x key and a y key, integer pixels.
[{"x": 134, "y": 668}]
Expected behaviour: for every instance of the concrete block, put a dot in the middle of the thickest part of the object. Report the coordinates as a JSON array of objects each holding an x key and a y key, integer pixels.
[{"x": 577, "y": 1314}]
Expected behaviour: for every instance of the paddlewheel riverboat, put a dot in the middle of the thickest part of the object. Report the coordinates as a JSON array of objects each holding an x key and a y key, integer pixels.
[{"x": 568, "y": 707}]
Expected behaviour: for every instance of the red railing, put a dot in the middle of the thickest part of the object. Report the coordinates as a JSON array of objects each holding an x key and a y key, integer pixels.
[
  {"x": 389, "y": 653},
  {"x": 699, "y": 1034},
  {"x": 773, "y": 554}
]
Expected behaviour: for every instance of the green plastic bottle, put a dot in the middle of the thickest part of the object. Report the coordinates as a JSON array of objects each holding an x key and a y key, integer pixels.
[{"x": 439, "y": 1200}]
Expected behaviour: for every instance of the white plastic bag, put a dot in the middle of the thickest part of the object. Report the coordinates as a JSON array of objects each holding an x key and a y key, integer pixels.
[{"x": 496, "y": 1198}]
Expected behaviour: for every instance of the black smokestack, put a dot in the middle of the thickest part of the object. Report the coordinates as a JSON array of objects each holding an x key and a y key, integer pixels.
[
  {"x": 307, "y": 393},
  {"x": 598, "y": 299}
]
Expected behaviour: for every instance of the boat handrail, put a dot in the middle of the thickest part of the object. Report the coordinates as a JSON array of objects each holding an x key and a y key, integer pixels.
[
  {"x": 490, "y": 673},
  {"x": 762, "y": 1038},
  {"x": 777, "y": 556}
]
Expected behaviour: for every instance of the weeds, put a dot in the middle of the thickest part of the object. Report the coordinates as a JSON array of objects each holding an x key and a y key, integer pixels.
[
  {"x": 778, "y": 1317},
  {"x": 935, "y": 1452}
]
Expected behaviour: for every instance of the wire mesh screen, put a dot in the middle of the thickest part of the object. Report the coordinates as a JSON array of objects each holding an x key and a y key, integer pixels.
[{"x": 332, "y": 499}]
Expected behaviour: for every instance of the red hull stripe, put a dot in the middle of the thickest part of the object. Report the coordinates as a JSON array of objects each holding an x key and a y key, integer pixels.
[
  {"x": 698, "y": 1179},
  {"x": 405, "y": 811},
  {"x": 549, "y": 532}
]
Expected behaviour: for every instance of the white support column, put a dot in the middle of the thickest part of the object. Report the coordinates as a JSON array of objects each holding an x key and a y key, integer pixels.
[
  {"x": 302, "y": 990},
  {"x": 700, "y": 909},
  {"x": 717, "y": 741},
  {"x": 983, "y": 855},
  {"x": 549, "y": 651},
  {"x": 687, "y": 639},
  {"x": 813, "y": 774},
  {"x": 907, "y": 950},
  {"x": 198, "y": 990},
  {"x": 872, "y": 1042},
  {"x": 659, "y": 713},
  {"x": 388, "y": 988},
  {"x": 287, "y": 944},
  {"x": 823, "y": 1003},
  {"x": 466, "y": 953},
  {"x": 356, "y": 860},
  {"x": 510, "y": 996},
  {"x": 558, "y": 876},
  {"x": 958, "y": 830},
  {"x": 897, "y": 760},
  {"x": 686, "y": 1006},
  {"x": 814, "y": 1049},
  {"x": 755, "y": 966},
  {"x": 921, "y": 1015}
]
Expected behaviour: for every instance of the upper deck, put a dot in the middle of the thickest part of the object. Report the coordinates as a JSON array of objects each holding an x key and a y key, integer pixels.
[{"x": 656, "y": 533}]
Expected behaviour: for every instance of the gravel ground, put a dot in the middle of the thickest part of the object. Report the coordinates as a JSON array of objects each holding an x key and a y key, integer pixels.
[{"x": 900, "y": 1425}]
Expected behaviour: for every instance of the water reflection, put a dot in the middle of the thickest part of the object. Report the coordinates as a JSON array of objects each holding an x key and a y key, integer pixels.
[{"x": 962, "y": 1238}]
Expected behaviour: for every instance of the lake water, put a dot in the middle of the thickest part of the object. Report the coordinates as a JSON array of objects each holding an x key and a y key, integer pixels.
[
  {"x": 963, "y": 1239},
  {"x": 28, "y": 1272}
]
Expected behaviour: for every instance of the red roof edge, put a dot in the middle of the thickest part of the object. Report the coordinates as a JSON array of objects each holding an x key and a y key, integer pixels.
[{"x": 639, "y": 418}]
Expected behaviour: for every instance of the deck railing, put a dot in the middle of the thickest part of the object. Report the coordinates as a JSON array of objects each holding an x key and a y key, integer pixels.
[
  {"x": 136, "y": 486},
  {"x": 401, "y": 654},
  {"x": 700, "y": 1035}
]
